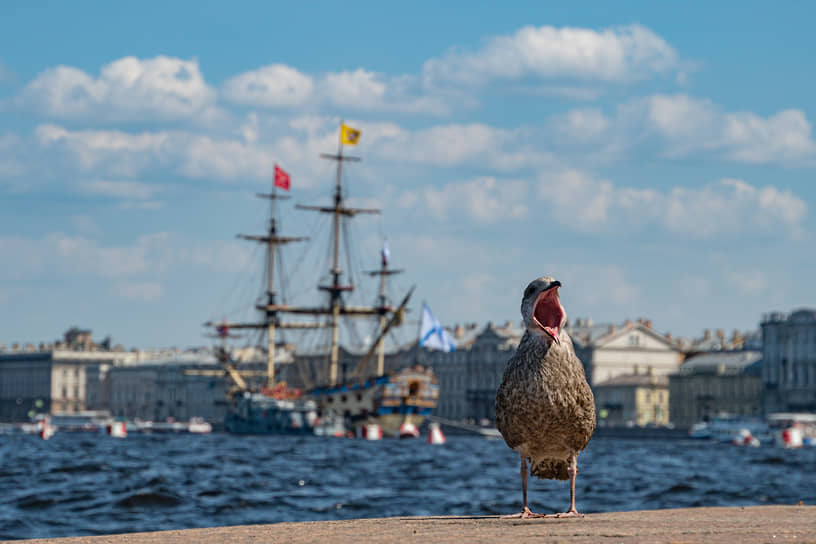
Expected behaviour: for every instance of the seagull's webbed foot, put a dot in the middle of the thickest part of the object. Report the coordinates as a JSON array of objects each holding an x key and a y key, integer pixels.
[
  {"x": 526, "y": 513},
  {"x": 572, "y": 513}
]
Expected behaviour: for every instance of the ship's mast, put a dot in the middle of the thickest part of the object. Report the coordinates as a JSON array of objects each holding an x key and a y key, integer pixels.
[
  {"x": 336, "y": 306},
  {"x": 271, "y": 322},
  {"x": 336, "y": 289},
  {"x": 272, "y": 241},
  {"x": 383, "y": 307}
]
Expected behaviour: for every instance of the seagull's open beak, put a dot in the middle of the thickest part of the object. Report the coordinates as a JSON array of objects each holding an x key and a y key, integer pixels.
[{"x": 548, "y": 313}]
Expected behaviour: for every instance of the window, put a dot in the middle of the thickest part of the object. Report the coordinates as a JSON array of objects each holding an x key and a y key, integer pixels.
[{"x": 634, "y": 340}]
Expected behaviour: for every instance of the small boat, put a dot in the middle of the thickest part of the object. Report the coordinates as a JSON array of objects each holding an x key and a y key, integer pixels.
[
  {"x": 197, "y": 425},
  {"x": 331, "y": 425},
  {"x": 793, "y": 429},
  {"x": 728, "y": 428}
]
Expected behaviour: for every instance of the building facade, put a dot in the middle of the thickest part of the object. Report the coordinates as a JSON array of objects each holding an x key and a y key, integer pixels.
[
  {"x": 53, "y": 381},
  {"x": 609, "y": 350},
  {"x": 718, "y": 383},
  {"x": 469, "y": 377},
  {"x": 633, "y": 400},
  {"x": 789, "y": 361},
  {"x": 160, "y": 390}
]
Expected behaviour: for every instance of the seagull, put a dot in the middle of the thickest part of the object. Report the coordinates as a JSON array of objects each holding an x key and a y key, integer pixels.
[{"x": 544, "y": 407}]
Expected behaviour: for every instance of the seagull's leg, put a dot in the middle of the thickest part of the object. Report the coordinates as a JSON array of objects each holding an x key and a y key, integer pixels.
[
  {"x": 525, "y": 511},
  {"x": 573, "y": 472}
]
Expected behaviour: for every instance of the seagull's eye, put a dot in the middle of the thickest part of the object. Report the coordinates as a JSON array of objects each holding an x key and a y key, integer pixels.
[{"x": 529, "y": 291}]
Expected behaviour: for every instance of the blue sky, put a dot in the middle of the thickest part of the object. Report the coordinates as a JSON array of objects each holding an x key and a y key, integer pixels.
[{"x": 657, "y": 158}]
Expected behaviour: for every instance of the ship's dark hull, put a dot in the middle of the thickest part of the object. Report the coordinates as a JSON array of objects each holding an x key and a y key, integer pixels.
[{"x": 260, "y": 414}]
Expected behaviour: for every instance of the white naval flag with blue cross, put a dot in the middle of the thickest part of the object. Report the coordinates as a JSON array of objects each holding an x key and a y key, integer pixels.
[{"x": 432, "y": 335}]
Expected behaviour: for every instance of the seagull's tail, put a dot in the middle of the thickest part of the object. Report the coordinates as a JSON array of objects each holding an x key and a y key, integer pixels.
[{"x": 550, "y": 469}]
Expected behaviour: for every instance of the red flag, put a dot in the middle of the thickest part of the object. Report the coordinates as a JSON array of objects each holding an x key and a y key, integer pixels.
[{"x": 281, "y": 179}]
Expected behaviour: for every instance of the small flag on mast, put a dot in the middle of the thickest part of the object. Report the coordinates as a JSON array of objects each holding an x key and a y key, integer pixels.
[
  {"x": 348, "y": 135},
  {"x": 432, "y": 335},
  {"x": 282, "y": 178},
  {"x": 385, "y": 253}
]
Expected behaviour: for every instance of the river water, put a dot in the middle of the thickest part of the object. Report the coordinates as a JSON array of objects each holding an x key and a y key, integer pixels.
[{"x": 85, "y": 484}]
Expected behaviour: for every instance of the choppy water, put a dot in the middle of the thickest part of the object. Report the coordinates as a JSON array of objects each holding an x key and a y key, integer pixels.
[{"x": 84, "y": 484}]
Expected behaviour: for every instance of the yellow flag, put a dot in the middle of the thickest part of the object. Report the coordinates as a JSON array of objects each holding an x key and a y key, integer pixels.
[{"x": 348, "y": 135}]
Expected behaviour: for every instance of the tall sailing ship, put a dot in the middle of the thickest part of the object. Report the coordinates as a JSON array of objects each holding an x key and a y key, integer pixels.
[{"x": 366, "y": 395}]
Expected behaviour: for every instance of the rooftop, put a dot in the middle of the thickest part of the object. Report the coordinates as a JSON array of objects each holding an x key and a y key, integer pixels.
[
  {"x": 722, "y": 362},
  {"x": 647, "y": 379}
]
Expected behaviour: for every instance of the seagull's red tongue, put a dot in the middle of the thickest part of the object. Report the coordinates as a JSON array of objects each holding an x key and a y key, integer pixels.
[{"x": 549, "y": 314}]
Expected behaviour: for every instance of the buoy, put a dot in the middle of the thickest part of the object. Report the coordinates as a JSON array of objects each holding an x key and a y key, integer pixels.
[
  {"x": 46, "y": 429},
  {"x": 117, "y": 429},
  {"x": 371, "y": 431},
  {"x": 745, "y": 438},
  {"x": 435, "y": 435},
  {"x": 408, "y": 430}
]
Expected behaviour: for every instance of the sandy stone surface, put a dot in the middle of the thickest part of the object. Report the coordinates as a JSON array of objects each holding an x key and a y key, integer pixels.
[{"x": 771, "y": 524}]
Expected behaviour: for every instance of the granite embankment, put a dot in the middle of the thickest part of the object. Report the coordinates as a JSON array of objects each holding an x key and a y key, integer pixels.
[{"x": 746, "y": 525}]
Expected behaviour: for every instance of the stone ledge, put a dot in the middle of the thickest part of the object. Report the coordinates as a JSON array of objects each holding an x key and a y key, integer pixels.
[{"x": 745, "y": 525}]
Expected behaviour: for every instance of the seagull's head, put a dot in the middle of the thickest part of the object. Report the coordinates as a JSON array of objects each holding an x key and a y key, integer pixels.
[{"x": 541, "y": 309}]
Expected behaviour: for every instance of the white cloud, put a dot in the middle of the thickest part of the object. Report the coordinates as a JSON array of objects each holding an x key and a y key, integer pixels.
[
  {"x": 126, "y": 89},
  {"x": 111, "y": 152},
  {"x": 146, "y": 291},
  {"x": 748, "y": 281},
  {"x": 583, "y": 125},
  {"x": 272, "y": 86},
  {"x": 457, "y": 144},
  {"x": 783, "y": 137},
  {"x": 81, "y": 256},
  {"x": 723, "y": 208},
  {"x": 611, "y": 55},
  {"x": 485, "y": 200},
  {"x": 227, "y": 160},
  {"x": 117, "y": 154},
  {"x": 149, "y": 256},
  {"x": 119, "y": 189},
  {"x": 370, "y": 91},
  {"x": 121, "y": 154},
  {"x": 85, "y": 224},
  {"x": 689, "y": 126},
  {"x": 617, "y": 289}
]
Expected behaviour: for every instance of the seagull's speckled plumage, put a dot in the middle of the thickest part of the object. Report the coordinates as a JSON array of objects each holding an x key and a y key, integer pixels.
[{"x": 544, "y": 407}]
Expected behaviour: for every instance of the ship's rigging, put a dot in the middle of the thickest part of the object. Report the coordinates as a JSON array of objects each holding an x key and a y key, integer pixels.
[{"x": 279, "y": 317}]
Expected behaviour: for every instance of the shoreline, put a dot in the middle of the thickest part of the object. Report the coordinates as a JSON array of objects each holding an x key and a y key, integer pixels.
[{"x": 748, "y": 524}]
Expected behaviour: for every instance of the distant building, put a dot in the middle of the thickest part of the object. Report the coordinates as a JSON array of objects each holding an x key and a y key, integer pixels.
[
  {"x": 633, "y": 400},
  {"x": 53, "y": 381},
  {"x": 789, "y": 361},
  {"x": 715, "y": 384},
  {"x": 469, "y": 377},
  {"x": 76, "y": 339},
  {"x": 609, "y": 350},
  {"x": 178, "y": 389},
  {"x": 718, "y": 341}
]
